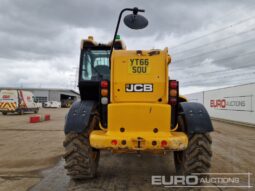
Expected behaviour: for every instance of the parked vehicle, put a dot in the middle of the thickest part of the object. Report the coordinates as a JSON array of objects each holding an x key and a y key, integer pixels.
[
  {"x": 67, "y": 103},
  {"x": 52, "y": 104},
  {"x": 19, "y": 101}
]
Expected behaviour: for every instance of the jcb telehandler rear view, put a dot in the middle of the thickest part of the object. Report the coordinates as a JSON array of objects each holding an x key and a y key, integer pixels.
[{"x": 129, "y": 104}]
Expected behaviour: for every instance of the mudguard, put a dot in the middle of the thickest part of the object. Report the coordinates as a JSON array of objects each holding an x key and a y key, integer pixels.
[
  {"x": 197, "y": 119},
  {"x": 79, "y": 116}
]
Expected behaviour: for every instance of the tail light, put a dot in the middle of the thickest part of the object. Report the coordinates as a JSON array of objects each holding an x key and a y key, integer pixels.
[
  {"x": 104, "y": 89},
  {"x": 104, "y": 98},
  {"x": 104, "y": 84},
  {"x": 173, "y": 84},
  {"x": 104, "y": 92},
  {"x": 173, "y": 92}
]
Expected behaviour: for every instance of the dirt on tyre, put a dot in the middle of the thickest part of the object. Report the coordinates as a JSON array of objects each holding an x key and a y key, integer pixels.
[
  {"x": 197, "y": 157},
  {"x": 81, "y": 159}
]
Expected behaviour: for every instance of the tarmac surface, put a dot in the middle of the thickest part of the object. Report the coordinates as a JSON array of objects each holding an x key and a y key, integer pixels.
[{"x": 30, "y": 158}]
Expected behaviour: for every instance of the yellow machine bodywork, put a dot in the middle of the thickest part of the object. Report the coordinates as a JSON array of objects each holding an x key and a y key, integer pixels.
[
  {"x": 140, "y": 126},
  {"x": 139, "y": 116},
  {"x": 134, "y": 67}
]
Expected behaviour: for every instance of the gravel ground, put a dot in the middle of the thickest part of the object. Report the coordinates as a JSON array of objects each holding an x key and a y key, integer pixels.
[{"x": 26, "y": 149}]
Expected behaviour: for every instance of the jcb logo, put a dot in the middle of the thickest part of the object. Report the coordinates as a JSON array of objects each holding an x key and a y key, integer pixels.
[{"x": 139, "y": 87}]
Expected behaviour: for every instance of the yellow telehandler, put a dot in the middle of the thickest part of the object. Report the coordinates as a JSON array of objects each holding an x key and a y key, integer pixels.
[{"x": 130, "y": 104}]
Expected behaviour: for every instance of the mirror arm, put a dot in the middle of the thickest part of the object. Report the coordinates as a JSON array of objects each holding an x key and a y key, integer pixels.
[
  {"x": 116, "y": 31},
  {"x": 135, "y": 11}
]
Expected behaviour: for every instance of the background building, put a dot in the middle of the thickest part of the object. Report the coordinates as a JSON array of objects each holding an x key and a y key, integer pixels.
[{"x": 49, "y": 94}]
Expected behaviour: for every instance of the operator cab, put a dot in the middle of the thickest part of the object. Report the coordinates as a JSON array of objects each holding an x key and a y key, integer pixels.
[{"x": 94, "y": 66}]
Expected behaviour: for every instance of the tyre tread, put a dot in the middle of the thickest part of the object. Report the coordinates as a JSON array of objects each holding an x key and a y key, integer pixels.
[{"x": 80, "y": 163}]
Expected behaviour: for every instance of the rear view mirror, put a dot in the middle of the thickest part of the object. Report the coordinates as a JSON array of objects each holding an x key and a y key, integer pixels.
[{"x": 135, "y": 21}]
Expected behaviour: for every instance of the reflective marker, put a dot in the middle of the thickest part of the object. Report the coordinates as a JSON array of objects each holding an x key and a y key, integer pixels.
[
  {"x": 163, "y": 143},
  {"x": 114, "y": 142}
]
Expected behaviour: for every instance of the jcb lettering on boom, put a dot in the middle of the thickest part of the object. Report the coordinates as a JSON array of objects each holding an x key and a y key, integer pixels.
[{"x": 139, "y": 66}]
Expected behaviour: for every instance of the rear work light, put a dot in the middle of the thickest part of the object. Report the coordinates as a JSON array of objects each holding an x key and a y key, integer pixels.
[{"x": 104, "y": 84}]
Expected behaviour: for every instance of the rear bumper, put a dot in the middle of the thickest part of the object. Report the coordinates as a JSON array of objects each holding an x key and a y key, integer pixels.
[
  {"x": 145, "y": 141},
  {"x": 139, "y": 126}
]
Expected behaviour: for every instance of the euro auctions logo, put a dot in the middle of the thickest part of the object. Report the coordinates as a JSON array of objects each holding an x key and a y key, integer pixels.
[
  {"x": 205, "y": 180},
  {"x": 170, "y": 181},
  {"x": 234, "y": 103},
  {"x": 223, "y": 103},
  {"x": 219, "y": 103}
]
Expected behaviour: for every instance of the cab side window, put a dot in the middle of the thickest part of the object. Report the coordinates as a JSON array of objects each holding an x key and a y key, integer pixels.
[{"x": 86, "y": 68}]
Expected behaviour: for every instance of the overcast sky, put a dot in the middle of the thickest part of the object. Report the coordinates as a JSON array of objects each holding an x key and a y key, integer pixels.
[{"x": 212, "y": 43}]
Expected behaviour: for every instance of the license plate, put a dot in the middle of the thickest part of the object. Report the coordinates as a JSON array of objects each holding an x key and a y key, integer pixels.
[{"x": 139, "y": 66}]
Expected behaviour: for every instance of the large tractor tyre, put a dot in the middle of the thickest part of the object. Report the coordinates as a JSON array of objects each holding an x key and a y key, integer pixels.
[
  {"x": 81, "y": 159},
  {"x": 4, "y": 113},
  {"x": 197, "y": 157}
]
